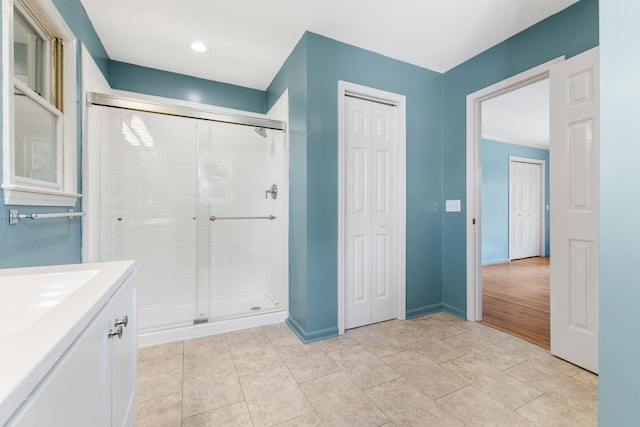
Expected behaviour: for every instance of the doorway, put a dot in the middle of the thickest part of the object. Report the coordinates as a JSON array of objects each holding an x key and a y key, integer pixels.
[
  {"x": 515, "y": 262},
  {"x": 574, "y": 144}
]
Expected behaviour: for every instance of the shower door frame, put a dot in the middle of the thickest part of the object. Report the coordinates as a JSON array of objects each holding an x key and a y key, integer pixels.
[{"x": 276, "y": 119}]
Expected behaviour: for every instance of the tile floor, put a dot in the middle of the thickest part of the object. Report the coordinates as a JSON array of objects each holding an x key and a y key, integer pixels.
[{"x": 437, "y": 370}]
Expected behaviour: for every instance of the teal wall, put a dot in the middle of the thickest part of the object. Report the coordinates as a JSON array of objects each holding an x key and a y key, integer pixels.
[
  {"x": 619, "y": 383},
  {"x": 139, "y": 79},
  {"x": 314, "y": 175},
  {"x": 54, "y": 241},
  {"x": 568, "y": 33},
  {"x": 76, "y": 17},
  {"x": 495, "y": 197}
]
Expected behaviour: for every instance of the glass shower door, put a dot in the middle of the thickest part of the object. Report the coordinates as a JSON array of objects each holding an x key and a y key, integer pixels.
[
  {"x": 245, "y": 170},
  {"x": 148, "y": 210}
]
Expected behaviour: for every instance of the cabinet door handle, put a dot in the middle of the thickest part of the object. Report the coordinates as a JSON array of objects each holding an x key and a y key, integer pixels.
[
  {"x": 124, "y": 321},
  {"x": 117, "y": 333}
]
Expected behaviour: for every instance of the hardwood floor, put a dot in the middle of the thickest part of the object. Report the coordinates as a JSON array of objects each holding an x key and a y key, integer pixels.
[{"x": 515, "y": 299}]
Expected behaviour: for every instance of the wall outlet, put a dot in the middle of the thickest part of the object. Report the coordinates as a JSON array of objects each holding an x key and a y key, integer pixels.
[{"x": 452, "y": 206}]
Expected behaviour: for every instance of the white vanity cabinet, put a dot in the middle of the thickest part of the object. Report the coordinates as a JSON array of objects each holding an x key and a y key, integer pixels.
[
  {"x": 124, "y": 353},
  {"x": 93, "y": 383}
]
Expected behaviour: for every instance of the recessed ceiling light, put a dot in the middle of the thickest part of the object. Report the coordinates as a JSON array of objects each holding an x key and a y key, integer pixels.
[{"x": 199, "y": 47}]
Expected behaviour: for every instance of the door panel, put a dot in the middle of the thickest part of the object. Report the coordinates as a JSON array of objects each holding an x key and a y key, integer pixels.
[
  {"x": 360, "y": 270},
  {"x": 383, "y": 142},
  {"x": 358, "y": 218},
  {"x": 575, "y": 217},
  {"x": 370, "y": 212},
  {"x": 525, "y": 214}
]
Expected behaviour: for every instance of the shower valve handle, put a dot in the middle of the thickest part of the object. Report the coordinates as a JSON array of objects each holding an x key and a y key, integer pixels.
[{"x": 273, "y": 191}]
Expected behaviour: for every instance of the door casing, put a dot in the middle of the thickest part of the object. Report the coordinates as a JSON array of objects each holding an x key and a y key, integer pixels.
[
  {"x": 399, "y": 101},
  {"x": 474, "y": 176}
]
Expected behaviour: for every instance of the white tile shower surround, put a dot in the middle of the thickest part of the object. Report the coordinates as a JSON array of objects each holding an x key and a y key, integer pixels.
[
  {"x": 149, "y": 197},
  {"x": 436, "y": 370}
]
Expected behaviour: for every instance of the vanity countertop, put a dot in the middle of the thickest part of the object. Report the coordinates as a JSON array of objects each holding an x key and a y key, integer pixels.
[{"x": 42, "y": 311}]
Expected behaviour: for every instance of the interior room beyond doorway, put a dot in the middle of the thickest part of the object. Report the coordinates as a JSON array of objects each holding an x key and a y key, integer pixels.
[{"x": 515, "y": 212}]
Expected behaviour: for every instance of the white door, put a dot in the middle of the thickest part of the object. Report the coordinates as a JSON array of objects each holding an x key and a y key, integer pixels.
[
  {"x": 575, "y": 213},
  {"x": 524, "y": 209},
  {"x": 370, "y": 241}
]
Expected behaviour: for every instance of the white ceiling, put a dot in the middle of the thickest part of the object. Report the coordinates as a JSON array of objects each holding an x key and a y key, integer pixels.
[
  {"x": 520, "y": 116},
  {"x": 249, "y": 40}
]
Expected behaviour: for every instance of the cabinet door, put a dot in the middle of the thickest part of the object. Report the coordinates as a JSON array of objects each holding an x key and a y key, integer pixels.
[
  {"x": 124, "y": 356},
  {"x": 75, "y": 392}
]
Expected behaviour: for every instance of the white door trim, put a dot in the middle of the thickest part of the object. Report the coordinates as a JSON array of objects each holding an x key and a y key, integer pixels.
[
  {"x": 543, "y": 210},
  {"x": 474, "y": 176},
  {"x": 399, "y": 101}
]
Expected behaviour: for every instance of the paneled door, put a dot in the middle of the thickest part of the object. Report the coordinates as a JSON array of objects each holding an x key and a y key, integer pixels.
[
  {"x": 370, "y": 217},
  {"x": 524, "y": 209},
  {"x": 575, "y": 209}
]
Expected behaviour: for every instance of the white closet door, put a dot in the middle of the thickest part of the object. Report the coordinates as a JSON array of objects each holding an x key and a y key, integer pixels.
[
  {"x": 370, "y": 241},
  {"x": 525, "y": 215},
  {"x": 575, "y": 209}
]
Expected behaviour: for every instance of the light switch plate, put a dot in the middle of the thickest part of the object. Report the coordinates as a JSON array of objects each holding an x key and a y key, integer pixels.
[{"x": 452, "y": 206}]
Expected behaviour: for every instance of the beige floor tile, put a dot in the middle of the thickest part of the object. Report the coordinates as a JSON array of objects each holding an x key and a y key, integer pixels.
[
  {"x": 405, "y": 405},
  {"x": 474, "y": 408},
  {"x": 339, "y": 402},
  {"x": 587, "y": 378},
  {"x": 502, "y": 387},
  {"x": 308, "y": 420},
  {"x": 569, "y": 390},
  {"x": 425, "y": 374},
  {"x": 161, "y": 350},
  {"x": 498, "y": 357},
  {"x": 281, "y": 335},
  {"x": 164, "y": 411},
  {"x": 155, "y": 366},
  {"x": 274, "y": 396},
  {"x": 434, "y": 328},
  {"x": 245, "y": 335},
  {"x": 395, "y": 327},
  {"x": 472, "y": 370},
  {"x": 254, "y": 355},
  {"x": 517, "y": 345},
  {"x": 209, "y": 387},
  {"x": 306, "y": 364},
  {"x": 446, "y": 317},
  {"x": 205, "y": 350},
  {"x": 333, "y": 344},
  {"x": 436, "y": 349},
  {"x": 474, "y": 338},
  {"x": 540, "y": 355},
  {"x": 547, "y": 411},
  {"x": 377, "y": 342},
  {"x": 151, "y": 386},
  {"x": 365, "y": 369},
  {"x": 561, "y": 367},
  {"x": 491, "y": 334},
  {"x": 235, "y": 415}
]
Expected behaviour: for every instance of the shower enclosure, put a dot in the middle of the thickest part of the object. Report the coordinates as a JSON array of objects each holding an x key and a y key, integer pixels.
[{"x": 199, "y": 205}]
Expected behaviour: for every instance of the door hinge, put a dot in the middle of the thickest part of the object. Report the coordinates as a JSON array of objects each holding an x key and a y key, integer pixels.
[{"x": 474, "y": 221}]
